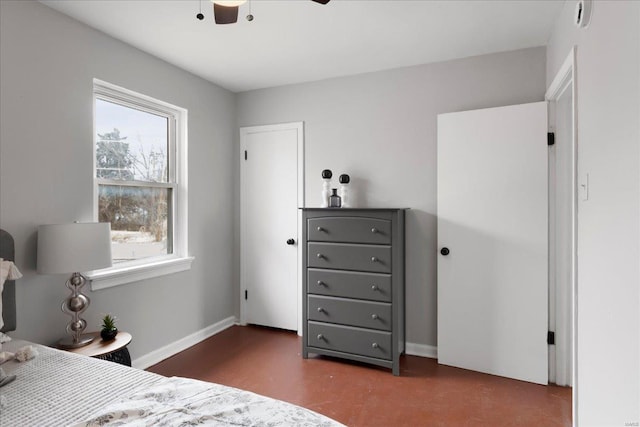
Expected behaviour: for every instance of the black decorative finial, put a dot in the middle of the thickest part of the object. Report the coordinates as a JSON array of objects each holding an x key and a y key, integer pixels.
[
  {"x": 327, "y": 174},
  {"x": 344, "y": 179},
  {"x": 249, "y": 17},
  {"x": 200, "y": 16}
]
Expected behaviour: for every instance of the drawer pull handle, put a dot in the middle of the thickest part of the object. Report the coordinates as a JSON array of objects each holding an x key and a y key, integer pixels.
[
  {"x": 320, "y": 229},
  {"x": 374, "y": 230},
  {"x": 374, "y": 345},
  {"x": 320, "y": 256},
  {"x": 321, "y": 283},
  {"x": 320, "y": 337},
  {"x": 374, "y": 259},
  {"x": 320, "y": 310},
  {"x": 374, "y": 316},
  {"x": 374, "y": 288}
]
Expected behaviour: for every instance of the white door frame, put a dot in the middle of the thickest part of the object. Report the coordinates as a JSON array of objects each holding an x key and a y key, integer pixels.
[
  {"x": 566, "y": 316},
  {"x": 244, "y": 132}
]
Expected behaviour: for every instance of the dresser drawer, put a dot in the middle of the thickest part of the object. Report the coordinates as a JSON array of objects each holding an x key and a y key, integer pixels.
[
  {"x": 349, "y": 284},
  {"x": 365, "y": 314},
  {"x": 349, "y": 230},
  {"x": 350, "y": 257},
  {"x": 350, "y": 340}
]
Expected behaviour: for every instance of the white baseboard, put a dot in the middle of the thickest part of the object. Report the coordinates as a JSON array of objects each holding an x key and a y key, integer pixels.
[
  {"x": 421, "y": 350},
  {"x": 169, "y": 350},
  {"x": 182, "y": 344}
]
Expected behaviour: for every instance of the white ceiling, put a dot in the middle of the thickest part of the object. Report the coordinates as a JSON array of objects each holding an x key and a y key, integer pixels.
[{"x": 293, "y": 41}]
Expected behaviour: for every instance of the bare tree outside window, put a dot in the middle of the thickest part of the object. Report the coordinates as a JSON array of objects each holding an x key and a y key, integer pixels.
[{"x": 134, "y": 188}]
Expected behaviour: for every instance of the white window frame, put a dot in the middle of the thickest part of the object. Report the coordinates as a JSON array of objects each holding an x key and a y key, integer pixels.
[{"x": 179, "y": 260}]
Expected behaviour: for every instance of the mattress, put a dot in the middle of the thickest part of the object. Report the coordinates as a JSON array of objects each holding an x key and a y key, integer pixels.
[{"x": 58, "y": 388}]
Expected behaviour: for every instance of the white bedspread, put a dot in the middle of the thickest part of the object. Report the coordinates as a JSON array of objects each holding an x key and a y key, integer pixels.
[
  {"x": 184, "y": 402},
  {"x": 59, "y": 388}
]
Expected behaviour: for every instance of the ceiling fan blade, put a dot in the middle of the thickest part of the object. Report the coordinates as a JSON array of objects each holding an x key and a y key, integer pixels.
[
  {"x": 225, "y": 14},
  {"x": 321, "y": 1}
]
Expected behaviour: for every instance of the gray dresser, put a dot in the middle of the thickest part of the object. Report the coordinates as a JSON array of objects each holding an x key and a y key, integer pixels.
[{"x": 353, "y": 284}]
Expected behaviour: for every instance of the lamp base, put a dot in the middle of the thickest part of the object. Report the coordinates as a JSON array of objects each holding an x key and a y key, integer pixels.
[
  {"x": 74, "y": 306},
  {"x": 68, "y": 342}
]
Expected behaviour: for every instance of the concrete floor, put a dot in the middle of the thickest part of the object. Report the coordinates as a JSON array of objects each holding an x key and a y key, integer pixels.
[{"x": 268, "y": 362}]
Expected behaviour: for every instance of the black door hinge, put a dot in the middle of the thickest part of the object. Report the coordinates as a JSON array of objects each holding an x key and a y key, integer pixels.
[
  {"x": 551, "y": 138},
  {"x": 246, "y": 294},
  {"x": 245, "y": 154},
  {"x": 551, "y": 338}
]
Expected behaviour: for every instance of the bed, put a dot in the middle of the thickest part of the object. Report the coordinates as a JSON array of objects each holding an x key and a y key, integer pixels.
[{"x": 58, "y": 388}]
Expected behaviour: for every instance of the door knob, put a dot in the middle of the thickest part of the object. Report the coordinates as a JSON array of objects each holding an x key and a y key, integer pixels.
[
  {"x": 290, "y": 242},
  {"x": 444, "y": 251}
]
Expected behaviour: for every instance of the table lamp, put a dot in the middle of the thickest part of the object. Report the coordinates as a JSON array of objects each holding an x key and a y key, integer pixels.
[{"x": 74, "y": 248}]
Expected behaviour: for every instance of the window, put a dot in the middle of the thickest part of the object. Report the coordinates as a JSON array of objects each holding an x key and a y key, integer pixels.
[{"x": 140, "y": 184}]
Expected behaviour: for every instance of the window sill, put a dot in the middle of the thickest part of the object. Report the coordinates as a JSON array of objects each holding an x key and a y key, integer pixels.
[{"x": 115, "y": 276}]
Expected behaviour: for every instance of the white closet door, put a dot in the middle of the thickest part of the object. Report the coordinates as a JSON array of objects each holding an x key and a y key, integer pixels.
[
  {"x": 269, "y": 231},
  {"x": 492, "y": 218}
]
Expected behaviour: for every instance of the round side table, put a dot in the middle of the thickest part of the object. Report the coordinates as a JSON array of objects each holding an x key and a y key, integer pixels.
[{"x": 113, "y": 351}]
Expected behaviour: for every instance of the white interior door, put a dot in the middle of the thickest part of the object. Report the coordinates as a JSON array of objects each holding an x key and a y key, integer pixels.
[
  {"x": 269, "y": 241},
  {"x": 492, "y": 217}
]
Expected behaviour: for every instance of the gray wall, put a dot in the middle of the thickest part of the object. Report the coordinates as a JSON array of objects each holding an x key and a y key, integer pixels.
[
  {"x": 608, "y": 115},
  {"x": 46, "y": 69},
  {"x": 380, "y": 128}
]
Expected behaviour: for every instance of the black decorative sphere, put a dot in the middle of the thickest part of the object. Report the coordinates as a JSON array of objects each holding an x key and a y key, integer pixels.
[
  {"x": 200, "y": 16},
  {"x": 249, "y": 17},
  {"x": 344, "y": 179},
  {"x": 326, "y": 174}
]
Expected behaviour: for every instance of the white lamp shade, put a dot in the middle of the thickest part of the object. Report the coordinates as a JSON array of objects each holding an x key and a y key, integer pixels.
[{"x": 71, "y": 248}]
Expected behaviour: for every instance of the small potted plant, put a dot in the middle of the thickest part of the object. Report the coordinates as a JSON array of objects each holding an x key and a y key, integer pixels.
[{"x": 109, "y": 330}]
